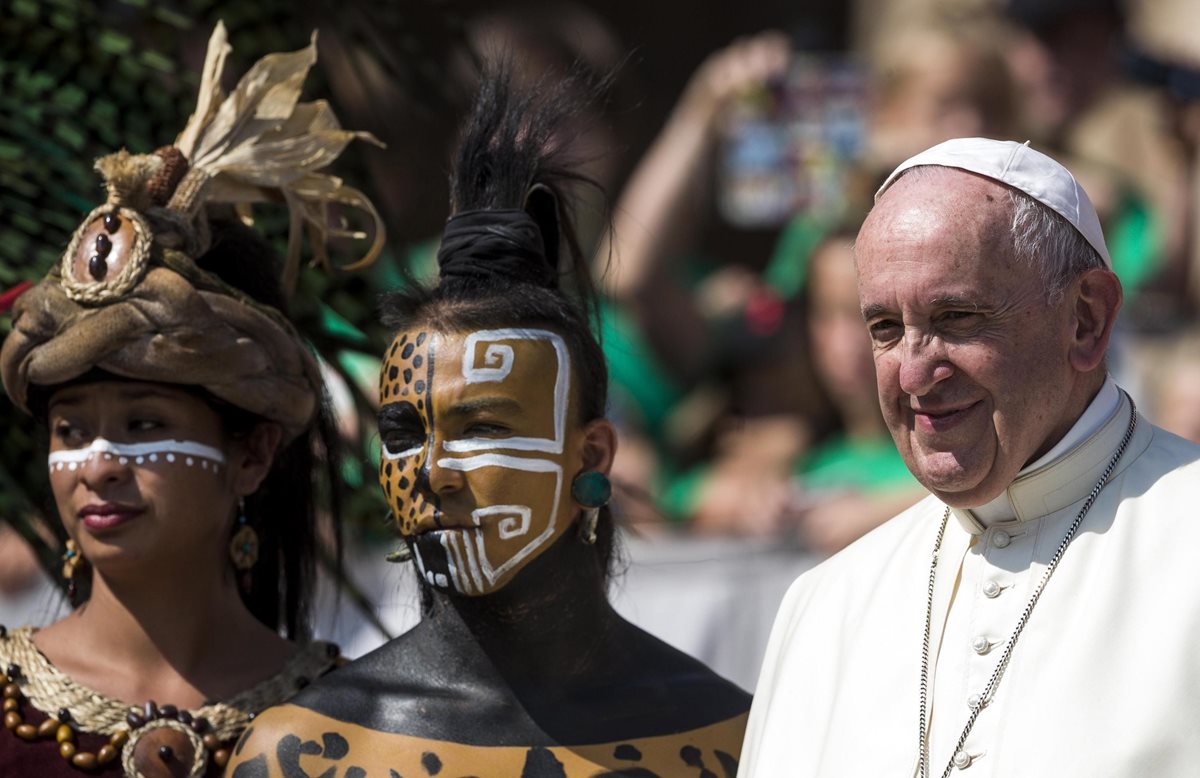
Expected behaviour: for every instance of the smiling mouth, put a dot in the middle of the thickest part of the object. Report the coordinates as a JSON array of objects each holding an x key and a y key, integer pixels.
[
  {"x": 107, "y": 516},
  {"x": 940, "y": 421}
]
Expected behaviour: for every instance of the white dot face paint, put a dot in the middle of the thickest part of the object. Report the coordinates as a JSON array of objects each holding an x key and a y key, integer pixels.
[{"x": 140, "y": 454}]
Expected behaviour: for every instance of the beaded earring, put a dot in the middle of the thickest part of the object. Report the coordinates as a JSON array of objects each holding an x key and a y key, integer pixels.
[
  {"x": 592, "y": 490},
  {"x": 72, "y": 559},
  {"x": 243, "y": 549},
  {"x": 403, "y": 553}
]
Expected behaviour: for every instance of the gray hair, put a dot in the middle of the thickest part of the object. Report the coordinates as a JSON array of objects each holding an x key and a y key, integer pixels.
[
  {"x": 1041, "y": 238},
  {"x": 1047, "y": 242}
]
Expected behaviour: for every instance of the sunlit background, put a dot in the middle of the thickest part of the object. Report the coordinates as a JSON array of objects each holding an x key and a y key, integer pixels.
[{"x": 739, "y": 144}]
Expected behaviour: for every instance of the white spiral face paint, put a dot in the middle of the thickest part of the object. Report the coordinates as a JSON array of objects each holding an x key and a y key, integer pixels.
[
  {"x": 445, "y": 395},
  {"x": 186, "y": 453}
]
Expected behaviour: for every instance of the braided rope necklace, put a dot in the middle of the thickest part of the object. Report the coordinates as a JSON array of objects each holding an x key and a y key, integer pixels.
[
  {"x": 958, "y": 756},
  {"x": 137, "y": 733}
]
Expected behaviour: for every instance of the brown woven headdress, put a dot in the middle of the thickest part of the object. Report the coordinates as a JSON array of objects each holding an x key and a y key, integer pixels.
[{"x": 128, "y": 297}]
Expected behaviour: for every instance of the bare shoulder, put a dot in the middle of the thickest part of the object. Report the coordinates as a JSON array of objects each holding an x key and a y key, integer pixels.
[
  {"x": 292, "y": 741},
  {"x": 673, "y": 691},
  {"x": 276, "y": 740}
]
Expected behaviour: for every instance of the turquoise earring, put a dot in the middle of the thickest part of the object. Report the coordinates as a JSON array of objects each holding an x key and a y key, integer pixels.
[{"x": 592, "y": 490}]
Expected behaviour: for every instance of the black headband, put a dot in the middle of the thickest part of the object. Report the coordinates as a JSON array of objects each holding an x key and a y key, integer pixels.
[{"x": 503, "y": 245}]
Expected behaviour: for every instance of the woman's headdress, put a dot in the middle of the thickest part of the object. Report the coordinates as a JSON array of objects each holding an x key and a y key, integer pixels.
[{"x": 128, "y": 296}]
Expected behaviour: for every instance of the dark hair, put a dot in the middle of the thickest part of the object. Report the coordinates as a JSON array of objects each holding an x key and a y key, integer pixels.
[
  {"x": 303, "y": 487},
  {"x": 512, "y": 168}
]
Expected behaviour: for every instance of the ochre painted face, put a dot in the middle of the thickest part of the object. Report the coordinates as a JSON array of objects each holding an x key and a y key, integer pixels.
[{"x": 479, "y": 450}]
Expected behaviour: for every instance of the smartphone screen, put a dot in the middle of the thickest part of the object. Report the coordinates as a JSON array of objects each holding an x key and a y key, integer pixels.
[{"x": 786, "y": 148}]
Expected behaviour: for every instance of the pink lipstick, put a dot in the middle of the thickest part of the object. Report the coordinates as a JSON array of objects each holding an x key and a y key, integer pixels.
[{"x": 106, "y": 515}]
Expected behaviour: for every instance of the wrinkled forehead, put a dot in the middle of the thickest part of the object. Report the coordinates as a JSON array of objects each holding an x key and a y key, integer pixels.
[
  {"x": 528, "y": 366},
  {"x": 947, "y": 192},
  {"x": 938, "y": 211}
]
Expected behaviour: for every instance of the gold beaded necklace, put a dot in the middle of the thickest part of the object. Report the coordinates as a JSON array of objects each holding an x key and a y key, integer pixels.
[{"x": 148, "y": 738}]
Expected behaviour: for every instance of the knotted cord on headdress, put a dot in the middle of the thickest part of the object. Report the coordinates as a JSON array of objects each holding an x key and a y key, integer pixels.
[{"x": 503, "y": 245}]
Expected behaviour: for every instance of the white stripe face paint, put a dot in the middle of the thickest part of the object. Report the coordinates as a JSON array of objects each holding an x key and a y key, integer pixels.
[
  {"x": 454, "y": 560},
  {"x": 182, "y": 453},
  {"x": 473, "y": 566},
  {"x": 501, "y": 356},
  {"x": 495, "y": 410},
  {"x": 516, "y": 519},
  {"x": 514, "y": 522},
  {"x": 405, "y": 454}
]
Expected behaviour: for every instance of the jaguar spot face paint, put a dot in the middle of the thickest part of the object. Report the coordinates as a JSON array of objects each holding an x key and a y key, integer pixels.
[{"x": 477, "y": 450}]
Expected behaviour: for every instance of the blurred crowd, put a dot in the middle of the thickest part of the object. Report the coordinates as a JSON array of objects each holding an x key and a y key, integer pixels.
[
  {"x": 745, "y": 384},
  {"x": 742, "y": 377}
]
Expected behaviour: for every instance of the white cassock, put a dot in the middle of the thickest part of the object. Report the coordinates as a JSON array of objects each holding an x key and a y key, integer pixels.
[{"x": 1105, "y": 678}]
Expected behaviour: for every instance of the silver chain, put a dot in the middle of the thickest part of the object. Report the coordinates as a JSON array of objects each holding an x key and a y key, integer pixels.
[{"x": 989, "y": 691}]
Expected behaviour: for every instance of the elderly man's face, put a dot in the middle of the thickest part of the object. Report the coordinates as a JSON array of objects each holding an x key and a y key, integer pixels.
[{"x": 972, "y": 363}]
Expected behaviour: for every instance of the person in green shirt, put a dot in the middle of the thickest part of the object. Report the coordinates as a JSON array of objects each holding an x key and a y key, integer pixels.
[{"x": 854, "y": 479}]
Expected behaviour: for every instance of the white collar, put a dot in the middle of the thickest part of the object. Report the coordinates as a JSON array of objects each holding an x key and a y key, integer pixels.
[{"x": 1051, "y": 482}]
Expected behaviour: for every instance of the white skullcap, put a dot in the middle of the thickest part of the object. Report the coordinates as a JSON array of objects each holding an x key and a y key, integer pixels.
[{"x": 1020, "y": 167}]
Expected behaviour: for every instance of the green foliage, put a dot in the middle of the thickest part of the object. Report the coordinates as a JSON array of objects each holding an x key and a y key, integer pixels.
[{"x": 81, "y": 79}]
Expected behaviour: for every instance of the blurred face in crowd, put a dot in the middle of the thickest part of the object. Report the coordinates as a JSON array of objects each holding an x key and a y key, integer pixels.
[
  {"x": 972, "y": 363},
  {"x": 935, "y": 86},
  {"x": 841, "y": 349},
  {"x": 1178, "y": 407},
  {"x": 1065, "y": 66},
  {"x": 480, "y": 444}
]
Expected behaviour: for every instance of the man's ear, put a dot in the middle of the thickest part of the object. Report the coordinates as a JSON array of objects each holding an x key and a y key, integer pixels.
[
  {"x": 255, "y": 456},
  {"x": 599, "y": 445},
  {"x": 1097, "y": 300}
]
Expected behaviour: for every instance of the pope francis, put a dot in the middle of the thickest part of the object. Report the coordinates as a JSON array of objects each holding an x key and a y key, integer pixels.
[{"x": 1037, "y": 615}]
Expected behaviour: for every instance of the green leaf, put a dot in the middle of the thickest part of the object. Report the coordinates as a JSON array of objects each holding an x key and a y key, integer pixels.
[{"x": 111, "y": 42}]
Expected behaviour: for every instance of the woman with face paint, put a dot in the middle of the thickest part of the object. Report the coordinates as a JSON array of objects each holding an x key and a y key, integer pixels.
[
  {"x": 494, "y": 460},
  {"x": 183, "y": 413}
]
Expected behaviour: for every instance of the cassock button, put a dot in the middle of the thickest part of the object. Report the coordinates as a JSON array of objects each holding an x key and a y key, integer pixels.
[
  {"x": 1001, "y": 539},
  {"x": 961, "y": 760},
  {"x": 981, "y": 645},
  {"x": 991, "y": 590}
]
